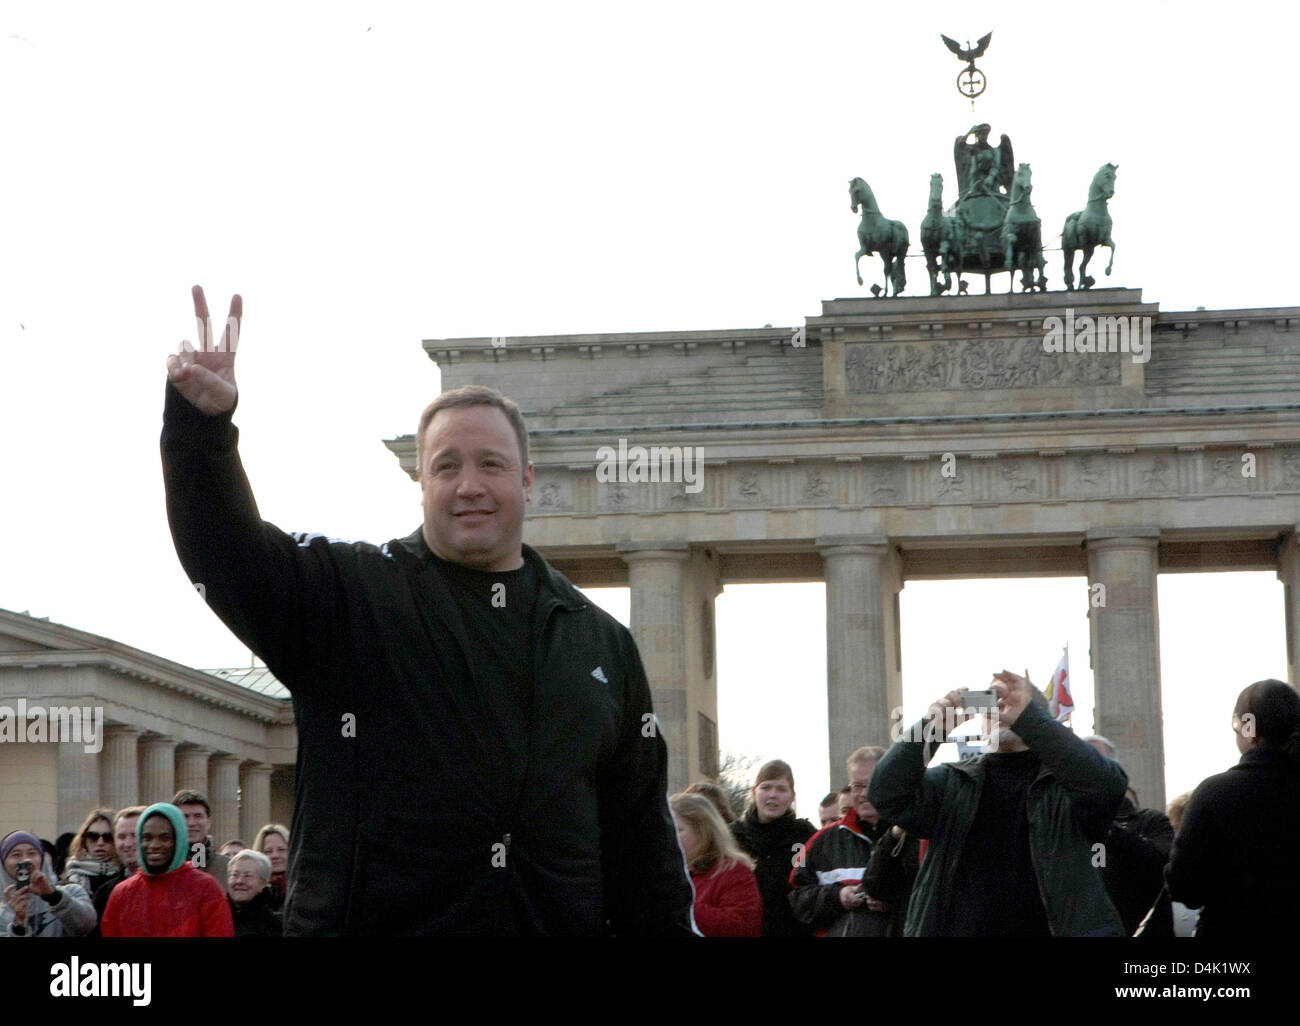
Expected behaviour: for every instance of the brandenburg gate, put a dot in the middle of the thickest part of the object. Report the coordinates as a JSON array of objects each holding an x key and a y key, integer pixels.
[{"x": 899, "y": 439}]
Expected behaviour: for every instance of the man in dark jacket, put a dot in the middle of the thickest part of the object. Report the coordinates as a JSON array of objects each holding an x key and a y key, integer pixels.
[
  {"x": 834, "y": 889},
  {"x": 1235, "y": 853},
  {"x": 1012, "y": 833},
  {"x": 202, "y": 852},
  {"x": 1136, "y": 853},
  {"x": 467, "y": 722}
]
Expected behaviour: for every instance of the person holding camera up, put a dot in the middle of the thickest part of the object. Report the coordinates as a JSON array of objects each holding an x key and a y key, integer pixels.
[
  {"x": 1013, "y": 833},
  {"x": 33, "y": 905}
]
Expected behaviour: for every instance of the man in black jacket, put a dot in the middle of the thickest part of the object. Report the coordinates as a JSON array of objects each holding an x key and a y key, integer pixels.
[
  {"x": 198, "y": 819},
  {"x": 477, "y": 753},
  {"x": 1136, "y": 851}
]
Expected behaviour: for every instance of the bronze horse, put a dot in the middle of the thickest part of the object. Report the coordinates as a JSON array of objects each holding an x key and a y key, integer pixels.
[
  {"x": 1022, "y": 235},
  {"x": 941, "y": 238},
  {"x": 878, "y": 235},
  {"x": 1089, "y": 228}
]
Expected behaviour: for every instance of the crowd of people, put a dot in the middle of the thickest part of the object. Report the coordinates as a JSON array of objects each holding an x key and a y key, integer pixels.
[
  {"x": 1039, "y": 836},
  {"x": 144, "y": 871}
]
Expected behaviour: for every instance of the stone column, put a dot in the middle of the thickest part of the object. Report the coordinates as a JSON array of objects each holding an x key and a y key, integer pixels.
[
  {"x": 255, "y": 807},
  {"x": 657, "y": 577},
  {"x": 223, "y": 796},
  {"x": 119, "y": 767},
  {"x": 1124, "y": 627},
  {"x": 1289, "y": 573},
  {"x": 157, "y": 769},
  {"x": 864, "y": 681},
  {"x": 192, "y": 769},
  {"x": 78, "y": 784}
]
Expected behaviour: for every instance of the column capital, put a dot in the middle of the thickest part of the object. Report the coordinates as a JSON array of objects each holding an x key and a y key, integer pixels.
[
  {"x": 225, "y": 759},
  {"x": 256, "y": 767},
  {"x": 190, "y": 750},
  {"x": 1288, "y": 550},
  {"x": 159, "y": 741},
  {"x": 632, "y": 551},
  {"x": 852, "y": 544},
  {"x": 1122, "y": 537}
]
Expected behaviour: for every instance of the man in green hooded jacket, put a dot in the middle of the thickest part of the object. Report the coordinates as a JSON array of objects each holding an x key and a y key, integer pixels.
[{"x": 168, "y": 897}]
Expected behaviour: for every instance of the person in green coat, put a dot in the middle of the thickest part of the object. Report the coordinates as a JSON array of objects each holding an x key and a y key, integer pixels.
[{"x": 1015, "y": 835}]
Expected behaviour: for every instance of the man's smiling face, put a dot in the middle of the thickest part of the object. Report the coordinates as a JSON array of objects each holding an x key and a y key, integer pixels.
[{"x": 474, "y": 488}]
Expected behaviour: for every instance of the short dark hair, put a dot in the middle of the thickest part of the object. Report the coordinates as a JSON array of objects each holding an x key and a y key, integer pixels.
[
  {"x": 472, "y": 395},
  {"x": 832, "y": 798},
  {"x": 191, "y": 798},
  {"x": 1275, "y": 707}
]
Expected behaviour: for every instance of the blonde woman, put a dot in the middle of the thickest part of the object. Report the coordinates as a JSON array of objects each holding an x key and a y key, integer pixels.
[
  {"x": 727, "y": 902},
  {"x": 273, "y": 842}
]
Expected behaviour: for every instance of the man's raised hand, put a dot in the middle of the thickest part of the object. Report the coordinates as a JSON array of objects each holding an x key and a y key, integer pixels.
[
  {"x": 942, "y": 714},
  {"x": 1014, "y": 693},
  {"x": 205, "y": 374}
]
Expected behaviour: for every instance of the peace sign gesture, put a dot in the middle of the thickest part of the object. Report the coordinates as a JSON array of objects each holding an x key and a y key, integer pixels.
[{"x": 206, "y": 376}]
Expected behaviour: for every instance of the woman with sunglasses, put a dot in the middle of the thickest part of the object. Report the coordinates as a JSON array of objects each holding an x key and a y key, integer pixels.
[{"x": 92, "y": 857}]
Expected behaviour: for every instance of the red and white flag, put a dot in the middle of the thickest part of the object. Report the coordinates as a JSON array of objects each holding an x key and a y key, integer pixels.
[{"x": 1059, "y": 700}]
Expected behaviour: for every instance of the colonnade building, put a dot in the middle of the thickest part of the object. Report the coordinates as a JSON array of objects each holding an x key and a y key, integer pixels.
[{"x": 163, "y": 727}]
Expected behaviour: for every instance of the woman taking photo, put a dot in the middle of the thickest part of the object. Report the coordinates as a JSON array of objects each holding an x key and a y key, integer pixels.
[
  {"x": 727, "y": 903},
  {"x": 1236, "y": 852}
]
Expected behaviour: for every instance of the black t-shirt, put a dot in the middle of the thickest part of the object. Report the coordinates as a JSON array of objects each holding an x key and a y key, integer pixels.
[
  {"x": 995, "y": 892},
  {"x": 497, "y": 610}
]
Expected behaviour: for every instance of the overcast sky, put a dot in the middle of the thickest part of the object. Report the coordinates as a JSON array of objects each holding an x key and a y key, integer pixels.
[{"x": 368, "y": 176}]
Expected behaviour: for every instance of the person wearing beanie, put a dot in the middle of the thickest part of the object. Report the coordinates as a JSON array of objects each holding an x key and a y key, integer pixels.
[
  {"x": 169, "y": 897},
  {"x": 39, "y": 909},
  {"x": 1235, "y": 853}
]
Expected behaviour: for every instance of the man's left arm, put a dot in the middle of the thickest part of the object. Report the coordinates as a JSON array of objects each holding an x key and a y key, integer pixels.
[
  {"x": 1144, "y": 840},
  {"x": 647, "y": 891},
  {"x": 1095, "y": 784}
]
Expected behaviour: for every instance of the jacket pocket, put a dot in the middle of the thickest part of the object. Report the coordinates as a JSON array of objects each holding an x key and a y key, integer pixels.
[{"x": 409, "y": 881}]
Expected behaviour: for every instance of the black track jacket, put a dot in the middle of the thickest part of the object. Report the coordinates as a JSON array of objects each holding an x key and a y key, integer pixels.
[{"x": 406, "y": 820}]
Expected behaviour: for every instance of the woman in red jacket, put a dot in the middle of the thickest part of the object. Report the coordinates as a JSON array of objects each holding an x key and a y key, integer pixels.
[{"x": 727, "y": 902}]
